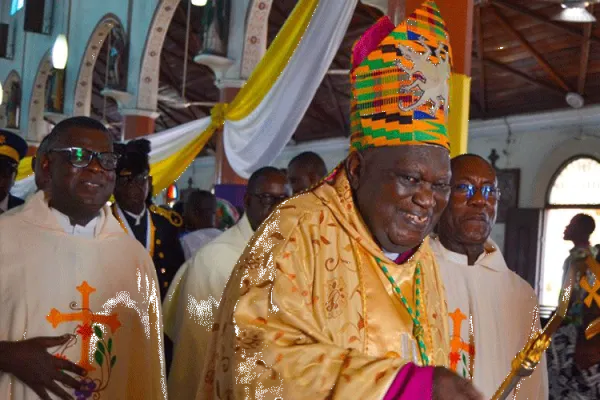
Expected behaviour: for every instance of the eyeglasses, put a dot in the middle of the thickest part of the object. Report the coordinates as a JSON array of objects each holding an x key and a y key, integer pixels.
[
  {"x": 268, "y": 200},
  {"x": 81, "y": 158},
  {"x": 138, "y": 179},
  {"x": 469, "y": 191}
]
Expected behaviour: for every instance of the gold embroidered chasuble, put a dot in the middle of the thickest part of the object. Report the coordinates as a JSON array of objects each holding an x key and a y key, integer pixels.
[{"x": 308, "y": 313}]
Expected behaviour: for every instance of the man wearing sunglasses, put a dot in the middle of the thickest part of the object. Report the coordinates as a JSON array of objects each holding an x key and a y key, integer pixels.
[
  {"x": 492, "y": 311},
  {"x": 12, "y": 150},
  {"x": 205, "y": 278},
  {"x": 80, "y": 307}
]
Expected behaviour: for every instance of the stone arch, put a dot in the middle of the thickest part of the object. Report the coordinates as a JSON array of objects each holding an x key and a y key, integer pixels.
[
  {"x": 12, "y": 77},
  {"x": 37, "y": 103},
  {"x": 255, "y": 38},
  {"x": 565, "y": 151},
  {"x": 83, "y": 87},
  {"x": 150, "y": 67}
]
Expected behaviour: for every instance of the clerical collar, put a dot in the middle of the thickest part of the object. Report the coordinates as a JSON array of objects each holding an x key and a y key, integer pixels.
[
  {"x": 136, "y": 217},
  {"x": 400, "y": 258},
  {"x": 4, "y": 204},
  {"x": 88, "y": 231}
]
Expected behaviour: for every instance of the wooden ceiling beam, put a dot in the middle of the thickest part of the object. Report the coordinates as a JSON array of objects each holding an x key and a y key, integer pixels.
[
  {"x": 538, "y": 57},
  {"x": 480, "y": 55},
  {"x": 585, "y": 55},
  {"x": 541, "y": 18},
  {"x": 521, "y": 75}
]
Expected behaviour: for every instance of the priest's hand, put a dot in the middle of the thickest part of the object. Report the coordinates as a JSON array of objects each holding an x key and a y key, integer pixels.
[
  {"x": 449, "y": 386},
  {"x": 30, "y": 362}
]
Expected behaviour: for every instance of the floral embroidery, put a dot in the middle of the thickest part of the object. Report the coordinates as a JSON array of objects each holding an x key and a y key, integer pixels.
[
  {"x": 336, "y": 297},
  {"x": 249, "y": 340},
  {"x": 89, "y": 330}
]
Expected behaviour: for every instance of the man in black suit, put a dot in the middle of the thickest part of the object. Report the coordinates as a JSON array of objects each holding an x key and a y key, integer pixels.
[
  {"x": 12, "y": 150},
  {"x": 154, "y": 227}
]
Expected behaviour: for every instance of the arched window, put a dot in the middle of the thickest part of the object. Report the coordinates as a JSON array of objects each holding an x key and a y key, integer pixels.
[
  {"x": 575, "y": 189},
  {"x": 16, "y": 5}
]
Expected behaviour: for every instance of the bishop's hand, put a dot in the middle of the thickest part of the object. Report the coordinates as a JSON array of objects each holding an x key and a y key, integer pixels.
[
  {"x": 30, "y": 362},
  {"x": 449, "y": 386}
]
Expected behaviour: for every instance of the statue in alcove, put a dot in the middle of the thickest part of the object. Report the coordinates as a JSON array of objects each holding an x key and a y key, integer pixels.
[
  {"x": 116, "y": 59},
  {"x": 13, "y": 106},
  {"x": 215, "y": 22},
  {"x": 55, "y": 91}
]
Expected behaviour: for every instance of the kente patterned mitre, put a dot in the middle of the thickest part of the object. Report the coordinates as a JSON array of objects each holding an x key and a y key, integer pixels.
[{"x": 400, "y": 82}]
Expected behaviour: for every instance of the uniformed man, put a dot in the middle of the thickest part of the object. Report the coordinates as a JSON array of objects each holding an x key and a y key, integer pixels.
[
  {"x": 154, "y": 227},
  {"x": 12, "y": 150}
]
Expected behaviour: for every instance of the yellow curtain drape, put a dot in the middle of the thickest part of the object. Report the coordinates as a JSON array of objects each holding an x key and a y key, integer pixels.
[
  {"x": 458, "y": 123},
  {"x": 250, "y": 96},
  {"x": 24, "y": 169}
]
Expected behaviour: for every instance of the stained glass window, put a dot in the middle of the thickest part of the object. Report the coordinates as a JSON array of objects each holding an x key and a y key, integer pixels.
[{"x": 16, "y": 5}]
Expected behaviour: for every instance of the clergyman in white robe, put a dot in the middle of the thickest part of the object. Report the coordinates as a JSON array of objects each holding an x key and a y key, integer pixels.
[
  {"x": 192, "y": 300},
  {"x": 93, "y": 282},
  {"x": 493, "y": 312}
]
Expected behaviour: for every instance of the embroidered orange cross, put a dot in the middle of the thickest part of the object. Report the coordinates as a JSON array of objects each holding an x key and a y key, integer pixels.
[
  {"x": 456, "y": 342},
  {"x": 593, "y": 294},
  {"x": 87, "y": 318}
]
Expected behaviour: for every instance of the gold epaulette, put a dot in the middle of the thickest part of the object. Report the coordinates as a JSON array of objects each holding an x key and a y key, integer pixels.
[{"x": 174, "y": 218}]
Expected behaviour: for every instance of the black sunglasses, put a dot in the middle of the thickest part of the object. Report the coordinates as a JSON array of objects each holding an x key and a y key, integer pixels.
[{"x": 81, "y": 158}]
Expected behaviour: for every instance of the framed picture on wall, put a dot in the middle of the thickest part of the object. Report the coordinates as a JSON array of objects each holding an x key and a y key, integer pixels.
[{"x": 508, "y": 182}]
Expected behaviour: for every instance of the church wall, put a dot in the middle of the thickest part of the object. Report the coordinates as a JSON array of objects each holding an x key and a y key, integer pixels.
[{"x": 30, "y": 48}]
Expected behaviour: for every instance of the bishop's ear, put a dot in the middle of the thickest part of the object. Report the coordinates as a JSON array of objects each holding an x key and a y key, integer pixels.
[{"x": 355, "y": 166}]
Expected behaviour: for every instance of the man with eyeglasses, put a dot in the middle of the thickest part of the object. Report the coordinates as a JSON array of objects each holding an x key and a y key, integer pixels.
[
  {"x": 80, "y": 307},
  {"x": 155, "y": 228},
  {"x": 189, "y": 310},
  {"x": 492, "y": 311},
  {"x": 12, "y": 150}
]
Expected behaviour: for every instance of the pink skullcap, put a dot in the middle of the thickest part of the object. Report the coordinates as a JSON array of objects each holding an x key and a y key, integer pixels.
[{"x": 371, "y": 39}]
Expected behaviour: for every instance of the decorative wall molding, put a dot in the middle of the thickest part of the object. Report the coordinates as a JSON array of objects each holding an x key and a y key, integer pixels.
[
  {"x": 13, "y": 76},
  {"x": 83, "y": 87},
  {"x": 255, "y": 39},
  {"x": 37, "y": 104},
  {"x": 555, "y": 120},
  {"x": 150, "y": 67}
]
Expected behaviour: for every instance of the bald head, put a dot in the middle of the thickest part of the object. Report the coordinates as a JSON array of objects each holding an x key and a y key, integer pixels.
[
  {"x": 471, "y": 211},
  {"x": 200, "y": 210},
  {"x": 267, "y": 187},
  {"x": 306, "y": 170}
]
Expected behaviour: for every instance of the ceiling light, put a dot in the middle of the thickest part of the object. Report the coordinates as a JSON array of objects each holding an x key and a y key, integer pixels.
[
  {"x": 501, "y": 48},
  {"x": 60, "y": 52},
  {"x": 1, "y": 93},
  {"x": 199, "y": 2},
  {"x": 575, "y": 14}
]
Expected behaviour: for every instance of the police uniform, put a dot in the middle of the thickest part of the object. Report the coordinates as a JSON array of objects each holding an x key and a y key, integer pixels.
[
  {"x": 14, "y": 148},
  {"x": 164, "y": 247}
]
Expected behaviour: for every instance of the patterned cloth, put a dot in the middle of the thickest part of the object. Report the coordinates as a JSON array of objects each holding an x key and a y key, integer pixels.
[
  {"x": 308, "y": 314},
  {"x": 400, "y": 82},
  {"x": 567, "y": 381}
]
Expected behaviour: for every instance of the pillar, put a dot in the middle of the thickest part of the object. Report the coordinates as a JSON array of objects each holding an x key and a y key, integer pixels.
[
  {"x": 224, "y": 174},
  {"x": 137, "y": 123},
  {"x": 458, "y": 15}
]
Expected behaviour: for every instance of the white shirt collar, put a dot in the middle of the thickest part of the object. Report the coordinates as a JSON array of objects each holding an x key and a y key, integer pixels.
[
  {"x": 138, "y": 218},
  {"x": 4, "y": 203},
  {"x": 491, "y": 258},
  {"x": 88, "y": 231}
]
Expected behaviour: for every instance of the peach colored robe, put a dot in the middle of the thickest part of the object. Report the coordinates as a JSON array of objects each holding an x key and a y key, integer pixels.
[
  {"x": 103, "y": 289},
  {"x": 308, "y": 314}
]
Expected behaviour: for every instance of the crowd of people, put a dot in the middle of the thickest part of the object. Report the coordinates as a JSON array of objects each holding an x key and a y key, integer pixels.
[{"x": 377, "y": 280}]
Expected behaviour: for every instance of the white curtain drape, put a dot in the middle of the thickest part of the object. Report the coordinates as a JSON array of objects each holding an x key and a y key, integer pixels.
[{"x": 257, "y": 140}]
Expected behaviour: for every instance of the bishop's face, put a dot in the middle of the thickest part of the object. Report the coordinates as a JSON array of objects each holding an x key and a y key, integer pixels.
[{"x": 400, "y": 192}]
